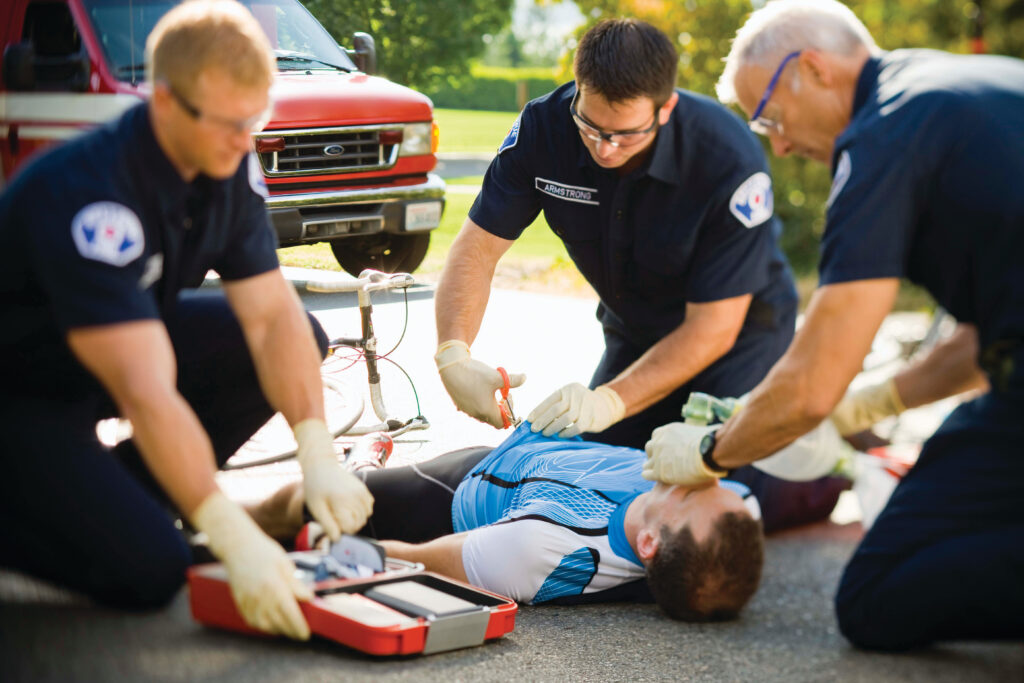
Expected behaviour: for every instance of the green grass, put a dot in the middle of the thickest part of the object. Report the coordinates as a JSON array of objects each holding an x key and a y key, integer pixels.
[{"x": 463, "y": 130}]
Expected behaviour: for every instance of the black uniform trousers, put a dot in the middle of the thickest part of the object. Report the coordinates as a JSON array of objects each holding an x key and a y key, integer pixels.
[
  {"x": 784, "y": 504},
  {"x": 93, "y": 519},
  {"x": 945, "y": 559}
]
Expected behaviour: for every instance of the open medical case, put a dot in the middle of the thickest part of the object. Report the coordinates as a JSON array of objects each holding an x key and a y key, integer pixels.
[{"x": 401, "y": 610}]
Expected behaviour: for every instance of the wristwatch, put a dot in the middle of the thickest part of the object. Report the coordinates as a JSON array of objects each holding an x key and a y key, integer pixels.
[{"x": 707, "y": 449}]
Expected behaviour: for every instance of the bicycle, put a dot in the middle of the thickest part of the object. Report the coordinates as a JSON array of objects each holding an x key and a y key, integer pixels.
[{"x": 344, "y": 403}]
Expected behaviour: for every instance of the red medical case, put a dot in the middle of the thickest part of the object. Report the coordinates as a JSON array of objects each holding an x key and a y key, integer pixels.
[{"x": 488, "y": 615}]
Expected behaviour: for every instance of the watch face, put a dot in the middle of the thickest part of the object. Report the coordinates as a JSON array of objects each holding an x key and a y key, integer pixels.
[{"x": 707, "y": 443}]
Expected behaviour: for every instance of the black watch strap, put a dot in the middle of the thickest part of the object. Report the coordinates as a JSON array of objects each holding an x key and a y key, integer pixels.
[{"x": 707, "y": 452}]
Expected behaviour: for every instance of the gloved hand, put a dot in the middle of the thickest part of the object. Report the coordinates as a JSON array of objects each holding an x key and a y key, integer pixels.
[
  {"x": 261, "y": 576},
  {"x": 862, "y": 408},
  {"x": 673, "y": 455},
  {"x": 574, "y": 409},
  {"x": 470, "y": 383},
  {"x": 336, "y": 498}
]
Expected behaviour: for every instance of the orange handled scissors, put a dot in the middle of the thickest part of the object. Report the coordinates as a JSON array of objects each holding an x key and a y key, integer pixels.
[{"x": 508, "y": 417}]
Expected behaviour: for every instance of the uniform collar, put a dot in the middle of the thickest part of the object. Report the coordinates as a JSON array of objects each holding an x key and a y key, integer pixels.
[
  {"x": 617, "y": 532},
  {"x": 169, "y": 188},
  {"x": 865, "y": 83},
  {"x": 662, "y": 164}
]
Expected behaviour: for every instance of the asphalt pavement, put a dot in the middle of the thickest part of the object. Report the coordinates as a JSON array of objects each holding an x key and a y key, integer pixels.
[{"x": 787, "y": 633}]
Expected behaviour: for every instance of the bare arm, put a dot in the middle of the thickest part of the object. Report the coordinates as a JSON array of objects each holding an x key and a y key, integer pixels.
[
  {"x": 466, "y": 282},
  {"x": 707, "y": 334},
  {"x": 281, "y": 342},
  {"x": 808, "y": 381},
  {"x": 135, "y": 363},
  {"x": 442, "y": 555},
  {"x": 949, "y": 369}
]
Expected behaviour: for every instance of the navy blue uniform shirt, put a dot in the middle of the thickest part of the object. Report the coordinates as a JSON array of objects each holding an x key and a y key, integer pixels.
[
  {"x": 104, "y": 230},
  {"x": 693, "y": 224},
  {"x": 928, "y": 184}
]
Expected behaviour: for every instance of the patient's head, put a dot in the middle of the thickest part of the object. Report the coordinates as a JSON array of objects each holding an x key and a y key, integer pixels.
[{"x": 703, "y": 551}]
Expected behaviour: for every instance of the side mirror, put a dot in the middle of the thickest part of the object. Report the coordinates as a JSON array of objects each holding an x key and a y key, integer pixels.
[
  {"x": 18, "y": 70},
  {"x": 364, "y": 52}
]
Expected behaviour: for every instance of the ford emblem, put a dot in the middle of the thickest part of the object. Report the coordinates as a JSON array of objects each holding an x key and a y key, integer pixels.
[{"x": 334, "y": 150}]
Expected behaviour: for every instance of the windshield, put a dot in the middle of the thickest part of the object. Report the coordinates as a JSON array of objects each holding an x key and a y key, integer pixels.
[{"x": 299, "y": 41}]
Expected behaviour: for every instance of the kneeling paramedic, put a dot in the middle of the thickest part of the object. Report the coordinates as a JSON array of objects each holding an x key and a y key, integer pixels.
[{"x": 101, "y": 236}]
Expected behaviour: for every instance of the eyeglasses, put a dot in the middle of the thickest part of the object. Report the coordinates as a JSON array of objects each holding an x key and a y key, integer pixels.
[
  {"x": 762, "y": 125},
  {"x": 627, "y": 138},
  {"x": 253, "y": 124}
]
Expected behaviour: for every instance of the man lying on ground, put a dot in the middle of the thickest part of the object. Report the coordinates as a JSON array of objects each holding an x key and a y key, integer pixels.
[{"x": 553, "y": 520}]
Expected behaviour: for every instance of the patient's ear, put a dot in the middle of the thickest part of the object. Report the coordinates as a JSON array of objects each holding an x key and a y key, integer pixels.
[{"x": 647, "y": 542}]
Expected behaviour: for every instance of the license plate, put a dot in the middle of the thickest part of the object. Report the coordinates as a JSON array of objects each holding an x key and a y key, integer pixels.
[{"x": 422, "y": 216}]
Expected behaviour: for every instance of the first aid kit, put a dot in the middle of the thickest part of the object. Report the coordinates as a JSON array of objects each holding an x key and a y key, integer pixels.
[{"x": 366, "y": 601}]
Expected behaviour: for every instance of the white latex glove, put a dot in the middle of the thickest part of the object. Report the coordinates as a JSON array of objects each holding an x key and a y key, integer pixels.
[
  {"x": 864, "y": 407},
  {"x": 673, "y": 455},
  {"x": 336, "y": 498},
  {"x": 262, "y": 578},
  {"x": 470, "y": 383},
  {"x": 574, "y": 409}
]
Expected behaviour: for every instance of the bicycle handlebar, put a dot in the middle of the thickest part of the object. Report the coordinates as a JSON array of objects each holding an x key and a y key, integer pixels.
[{"x": 368, "y": 281}]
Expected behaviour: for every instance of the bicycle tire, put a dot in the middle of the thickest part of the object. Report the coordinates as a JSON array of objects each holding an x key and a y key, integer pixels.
[{"x": 343, "y": 405}]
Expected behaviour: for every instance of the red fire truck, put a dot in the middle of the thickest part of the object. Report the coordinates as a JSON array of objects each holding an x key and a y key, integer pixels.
[{"x": 347, "y": 156}]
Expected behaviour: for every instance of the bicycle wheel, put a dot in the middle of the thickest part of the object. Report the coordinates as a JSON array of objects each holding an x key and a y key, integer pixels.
[{"x": 274, "y": 442}]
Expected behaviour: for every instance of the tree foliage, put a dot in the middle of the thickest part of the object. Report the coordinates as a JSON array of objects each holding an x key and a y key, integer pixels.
[
  {"x": 418, "y": 43},
  {"x": 703, "y": 29}
]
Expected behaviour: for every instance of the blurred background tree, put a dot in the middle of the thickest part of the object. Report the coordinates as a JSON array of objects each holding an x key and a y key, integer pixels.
[
  {"x": 703, "y": 29},
  {"x": 419, "y": 42}
]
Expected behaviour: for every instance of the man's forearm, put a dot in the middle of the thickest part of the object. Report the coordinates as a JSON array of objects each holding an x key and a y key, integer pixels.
[
  {"x": 804, "y": 386},
  {"x": 288, "y": 364},
  {"x": 442, "y": 555},
  {"x": 950, "y": 368},
  {"x": 465, "y": 284},
  {"x": 174, "y": 446},
  {"x": 697, "y": 343}
]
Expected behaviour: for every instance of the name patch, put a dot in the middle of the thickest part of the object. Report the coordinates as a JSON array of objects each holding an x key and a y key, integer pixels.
[
  {"x": 108, "y": 232},
  {"x": 570, "y": 193},
  {"x": 752, "y": 202}
]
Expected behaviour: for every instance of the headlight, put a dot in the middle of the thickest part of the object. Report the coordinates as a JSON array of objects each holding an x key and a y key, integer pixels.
[{"x": 416, "y": 139}]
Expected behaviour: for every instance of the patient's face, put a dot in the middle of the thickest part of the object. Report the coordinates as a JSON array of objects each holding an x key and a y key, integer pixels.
[{"x": 675, "y": 506}]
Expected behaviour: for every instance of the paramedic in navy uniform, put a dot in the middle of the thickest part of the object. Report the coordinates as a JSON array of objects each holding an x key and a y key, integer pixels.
[
  {"x": 927, "y": 157},
  {"x": 663, "y": 200},
  {"x": 100, "y": 236}
]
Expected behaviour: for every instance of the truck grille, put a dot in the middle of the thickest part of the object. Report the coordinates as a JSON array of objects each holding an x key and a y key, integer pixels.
[{"x": 328, "y": 150}]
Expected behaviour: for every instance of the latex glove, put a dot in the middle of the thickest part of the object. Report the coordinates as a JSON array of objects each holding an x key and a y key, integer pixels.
[
  {"x": 336, "y": 498},
  {"x": 262, "y": 578},
  {"x": 470, "y": 383},
  {"x": 673, "y": 455},
  {"x": 860, "y": 409},
  {"x": 574, "y": 409}
]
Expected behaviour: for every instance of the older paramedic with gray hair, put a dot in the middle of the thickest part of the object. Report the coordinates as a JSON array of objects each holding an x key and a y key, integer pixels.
[{"x": 926, "y": 153}]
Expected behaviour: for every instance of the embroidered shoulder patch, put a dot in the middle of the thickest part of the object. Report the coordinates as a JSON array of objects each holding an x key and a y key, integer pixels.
[
  {"x": 108, "y": 232},
  {"x": 513, "y": 136},
  {"x": 752, "y": 202},
  {"x": 843, "y": 169}
]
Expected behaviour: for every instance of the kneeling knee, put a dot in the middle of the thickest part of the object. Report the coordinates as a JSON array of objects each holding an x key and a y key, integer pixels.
[{"x": 153, "y": 583}]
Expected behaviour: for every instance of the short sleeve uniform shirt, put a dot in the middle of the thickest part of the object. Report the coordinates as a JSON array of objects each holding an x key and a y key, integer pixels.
[
  {"x": 927, "y": 185},
  {"x": 694, "y": 223},
  {"x": 104, "y": 230}
]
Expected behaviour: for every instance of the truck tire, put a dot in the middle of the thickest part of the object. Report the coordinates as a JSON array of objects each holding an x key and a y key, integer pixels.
[{"x": 387, "y": 252}]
